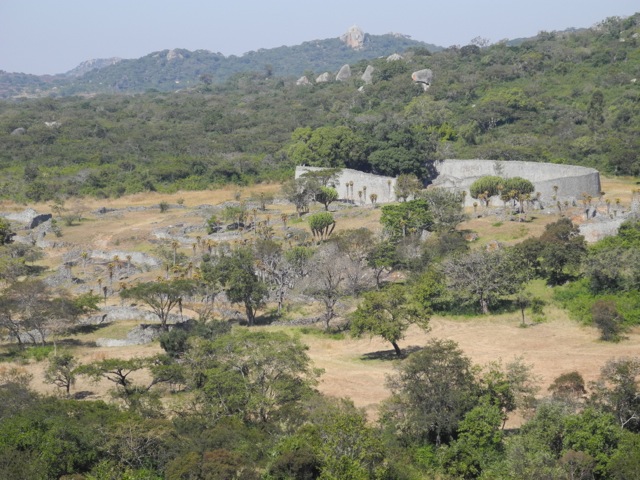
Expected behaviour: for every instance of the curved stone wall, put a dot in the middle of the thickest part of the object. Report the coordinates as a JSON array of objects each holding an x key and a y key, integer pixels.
[{"x": 572, "y": 181}]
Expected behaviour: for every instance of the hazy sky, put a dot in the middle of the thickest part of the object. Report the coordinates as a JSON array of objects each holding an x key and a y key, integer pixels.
[{"x": 54, "y": 36}]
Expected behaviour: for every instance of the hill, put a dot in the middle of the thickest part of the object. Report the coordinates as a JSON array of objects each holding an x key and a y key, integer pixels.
[{"x": 170, "y": 70}]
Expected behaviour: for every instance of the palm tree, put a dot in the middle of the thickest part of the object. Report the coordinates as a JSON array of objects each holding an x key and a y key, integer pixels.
[{"x": 175, "y": 246}]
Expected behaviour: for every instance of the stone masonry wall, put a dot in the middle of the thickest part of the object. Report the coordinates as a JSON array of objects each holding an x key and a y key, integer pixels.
[
  {"x": 572, "y": 181},
  {"x": 377, "y": 184}
]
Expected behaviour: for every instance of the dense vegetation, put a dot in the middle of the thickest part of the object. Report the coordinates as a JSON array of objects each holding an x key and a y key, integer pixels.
[{"x": 560, "y": 97}]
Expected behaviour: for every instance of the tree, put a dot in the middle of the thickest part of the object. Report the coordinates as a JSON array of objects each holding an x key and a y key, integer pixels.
[
  {"x": 568, "y": 387},
  {"x": 6, "y": 234},
  {"x": 30, "y": 310},
  {"x": 387, "y": 313},
  {"x": 617, "y": 390},
  {"x": 410, "y": 217},
  {"x": 609, "y": 321},
  {"x": 431, "y": 393},
  {"x": 281, "y": 269},
  {"x": 479, "y": 442},
  {"x": 236, "y": 272},
  {"x": 61, "y": 371},
  {"x": 326, "y": 280},
  {"x": 561, "y": 250},
  {"x": 382, "y": 257},
  {"x": 300, "y": 192},
  {"x": 322, "y": 224},
  {"x": 446, "y": 207},
  {"x": 326, "y": 196},
  {"x": 326, "y": 147},
  {"x": 484, "y": 276},
  {"x": 486, "y": 187},
  {"x": 162, "y": 297},
  {"x": 119, "y": 371},
  {"x": 256, "y": 376},
  {"x": 407, "y": 185}
]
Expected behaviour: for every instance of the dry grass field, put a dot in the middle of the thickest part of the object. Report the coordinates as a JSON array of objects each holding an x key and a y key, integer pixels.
[{"x": 354, "y": 368}]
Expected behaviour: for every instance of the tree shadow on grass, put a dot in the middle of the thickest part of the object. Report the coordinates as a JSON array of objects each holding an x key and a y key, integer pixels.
[
  {"x": 87, "y": 329},
  {"x": 390, "y": 354}
]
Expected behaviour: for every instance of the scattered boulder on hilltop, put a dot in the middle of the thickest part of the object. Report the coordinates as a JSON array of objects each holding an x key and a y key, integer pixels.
[
  {"x": 344, "y": 73},
  {"x": 367, "y": 76},
  {"x": 423, "y": 77},
  {"x": 395, "y": 57},
  {"x": 303, "y": 81},
  {"x": 354, "y": 37},
  {"x": 324, "y": 78}
]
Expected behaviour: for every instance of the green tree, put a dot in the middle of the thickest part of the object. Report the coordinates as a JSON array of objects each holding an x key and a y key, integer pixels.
[
  {"x": 617, "y": 391},
  {"x": 6, "y": 234},
  {"x": 257, "y": 376},
  {"x": 162, "y": 297},
  {"x": 486, "y": 187},
  {"x": 387, "y": 313},
  {"x": 326, "y": 196},
  {"x": 407, "y": 185},
  {"x": 322, "y": 224},
  {"x": 405, "y": 218},
  {"x": 236, "y": 272},
  {"x": 431, "y": 393},
  {"x": 479, "y": 442},
  {"x": 483, "y": 277},
  {"x": 326, "y": 147},
  {"x": 446, "y": 207},
  {"x": 382, "y": 257},
  {"x": 61, "y": 371}
]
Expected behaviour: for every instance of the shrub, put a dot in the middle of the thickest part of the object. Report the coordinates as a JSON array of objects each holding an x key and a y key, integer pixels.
[{"x": 606, "y": 317}]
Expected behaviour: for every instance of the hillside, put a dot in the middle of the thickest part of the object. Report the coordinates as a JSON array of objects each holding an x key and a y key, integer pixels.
[
  {"x": 561, "y": 98},
  {"x": 170, "y": 70}
]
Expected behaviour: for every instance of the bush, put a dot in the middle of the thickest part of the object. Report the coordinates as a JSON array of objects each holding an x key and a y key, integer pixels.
[{"x": 606, "y": 317}]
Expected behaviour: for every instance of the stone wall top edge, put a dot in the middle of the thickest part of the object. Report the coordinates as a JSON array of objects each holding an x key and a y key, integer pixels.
[{"x": 518, "y": 162}]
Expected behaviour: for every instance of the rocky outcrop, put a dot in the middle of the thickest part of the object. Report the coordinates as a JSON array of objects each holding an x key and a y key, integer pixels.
[
  {"x": 324, "y": 78},
  {"x": 354, "y": 37},
  {"x": 423, "y": 77},
  {"x": 344, "y": 73},
  {"x": 94, "y": 64},
  {"x": 303, "y": 81},
  {"x": 19, "y": 131},
  {"x": 174, "y": 55},
  {"x": 29, "y": 218},
  {"x": 367, "y": 76},
  {"x": 394, "y": 58}
]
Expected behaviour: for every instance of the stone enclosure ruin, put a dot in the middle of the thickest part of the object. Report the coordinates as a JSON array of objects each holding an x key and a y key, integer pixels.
[{"x": 554, "y": 182}]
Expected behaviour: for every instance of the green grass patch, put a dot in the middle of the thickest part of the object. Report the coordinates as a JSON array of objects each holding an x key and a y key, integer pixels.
[{"x": 37, "y": 353}]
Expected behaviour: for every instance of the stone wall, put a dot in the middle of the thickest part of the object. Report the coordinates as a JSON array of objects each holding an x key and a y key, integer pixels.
[
  {"x": 382, "y": 186},
  {"x": 572, "y": 181}
]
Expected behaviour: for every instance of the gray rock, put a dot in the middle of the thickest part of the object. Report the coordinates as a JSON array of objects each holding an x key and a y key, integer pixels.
[
  {"x": 423, "y": 77},
  {"x": 19, "y": 131},
  {"x": 324, "y": 78},
  {"x": 394, "y": 57},
  {"x": 344, "y": 73},
  {"x": 303, "y": 81},
  {"x": 354, "y": 37},
  {"x": 367, "y": 76}
]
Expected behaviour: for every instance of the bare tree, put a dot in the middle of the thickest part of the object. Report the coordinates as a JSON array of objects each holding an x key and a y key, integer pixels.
[{"x": 327, "y": 279}]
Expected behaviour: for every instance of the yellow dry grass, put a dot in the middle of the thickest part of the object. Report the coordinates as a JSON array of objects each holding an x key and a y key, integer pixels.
[{"x": 555, "y": 347}]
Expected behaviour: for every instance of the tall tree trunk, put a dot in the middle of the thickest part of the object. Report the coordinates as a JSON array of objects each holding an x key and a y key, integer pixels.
[{"x": 397, "y": 349}]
